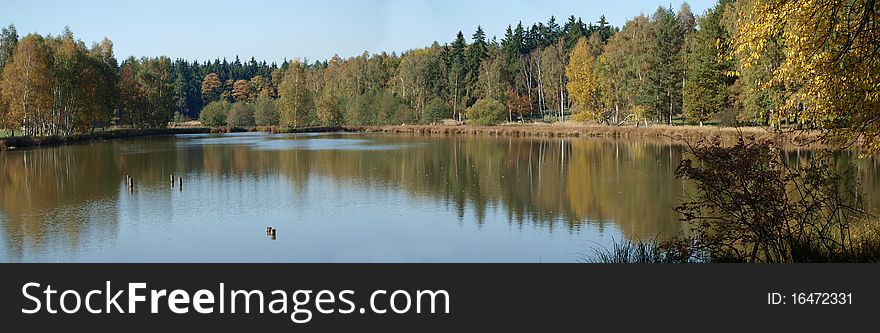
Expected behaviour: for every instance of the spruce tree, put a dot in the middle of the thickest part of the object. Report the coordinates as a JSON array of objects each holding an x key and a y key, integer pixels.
[{"x": 707, "y": 86}]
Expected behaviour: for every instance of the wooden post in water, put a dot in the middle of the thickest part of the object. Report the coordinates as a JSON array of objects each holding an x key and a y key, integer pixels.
[
  {"x": 172, "y": 180},
  {"x": 180, "y": 182}
]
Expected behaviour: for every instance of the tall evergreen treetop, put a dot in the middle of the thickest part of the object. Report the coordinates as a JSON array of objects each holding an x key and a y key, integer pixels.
[{"x": 8, "y": 41}]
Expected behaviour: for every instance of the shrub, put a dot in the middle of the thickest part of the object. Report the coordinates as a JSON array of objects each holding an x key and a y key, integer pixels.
[
  {"x": 240, "y": 115},
  {"x": 436, "y": 110},
  {"x": 750, "y": 206},
  {"x": 486, "y": 112},
  {"x": 265, "y": 111},
  {"x": 214, "y": 114},
  {"x": 390, "y": 110}
]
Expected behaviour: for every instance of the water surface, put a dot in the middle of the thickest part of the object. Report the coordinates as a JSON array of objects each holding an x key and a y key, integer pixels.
[{"x": 337, "y": 197}]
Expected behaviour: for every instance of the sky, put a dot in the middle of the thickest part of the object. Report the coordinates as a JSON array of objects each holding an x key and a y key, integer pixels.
[{"x": 314, "y": 29}]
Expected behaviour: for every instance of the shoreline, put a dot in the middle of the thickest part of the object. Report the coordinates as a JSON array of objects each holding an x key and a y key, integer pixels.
[
  {"x": 23, "y": 142},
  {"x": 661, "y": 132},
  {"x": 681, "y": 134}
]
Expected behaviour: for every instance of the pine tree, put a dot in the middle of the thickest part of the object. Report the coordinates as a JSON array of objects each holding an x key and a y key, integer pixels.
[
  {"x": 476, "y": 52},
  {"x": 663, "y": 88},
  {"x": 8, "y": 41},
  {"x": 574, "y": 30},
  {"x": 604, "y": 29},
  {"x": 552, "y": 31},
  {"x": 707, "y": 86},
  {"x": 456, "y": 73}
]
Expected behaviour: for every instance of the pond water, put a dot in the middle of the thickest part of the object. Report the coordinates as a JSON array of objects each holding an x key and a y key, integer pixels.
[{"x": 341, "y": 197}]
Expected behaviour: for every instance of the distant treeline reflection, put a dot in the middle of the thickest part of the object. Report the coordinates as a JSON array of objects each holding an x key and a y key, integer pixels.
[{"x": 559, "y": 184}]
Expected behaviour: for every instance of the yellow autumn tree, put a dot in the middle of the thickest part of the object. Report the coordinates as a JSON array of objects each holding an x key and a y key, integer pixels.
[
  {"x": 583, "y": 82},
  {"x": 27, "y": 85},
  {"x": 830, "y": 62},
  {"x": 295, "y": 103}
]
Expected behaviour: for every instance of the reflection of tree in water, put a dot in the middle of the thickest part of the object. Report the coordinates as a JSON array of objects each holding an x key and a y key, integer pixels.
[
  {"x": 553, "y": 183},
  {"x": 47, "y": 194},
  {"x": 538, "y": 181},
  {"x": 866, "y": 168}
]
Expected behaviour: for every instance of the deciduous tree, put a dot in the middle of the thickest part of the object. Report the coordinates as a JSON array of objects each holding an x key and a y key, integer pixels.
[
  {"x": 211, "y": 87},
  {"x": 830, "y": 55},
  {"x": 583, "y": 83},
  {"x": 296, "y": 105}
]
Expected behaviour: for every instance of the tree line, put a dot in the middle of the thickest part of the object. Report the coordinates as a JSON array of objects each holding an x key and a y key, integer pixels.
[{"x": 740, "y": 62}]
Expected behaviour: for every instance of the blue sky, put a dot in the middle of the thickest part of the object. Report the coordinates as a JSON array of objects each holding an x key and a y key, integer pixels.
[{"x": 316, "y": 29}]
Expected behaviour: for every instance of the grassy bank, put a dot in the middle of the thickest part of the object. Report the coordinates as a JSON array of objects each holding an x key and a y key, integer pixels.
[
  {"x": 728, "y": 135},
  {"x": 574, "y": 130},
  {"x": 559, "y": 130},
  {"x": 47, "y": 141}
]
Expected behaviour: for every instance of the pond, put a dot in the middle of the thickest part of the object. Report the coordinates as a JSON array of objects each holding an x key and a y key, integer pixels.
[{"x": 342, "y": 197}]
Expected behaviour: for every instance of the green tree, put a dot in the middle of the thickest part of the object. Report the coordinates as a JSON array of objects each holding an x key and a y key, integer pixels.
[
  {"x": 574, "y": 29},
  {"x": 476, "y": 53},
  {"x": 456, "y": 73},
  {"x": 214, "y": 114},
  {"x": 328, "y": 109},
  {"x": 552, "y": 74},
  {"x": 133, "y": 104},
  {"x": 265, "y": 111},
  {"x": 707, "y": 84},
  {"x": 436, "y": 110},
  {"x": 8, "y": 41},
  {"x": 663, "y": 89},
  {"x": 493, "y": 77},
  {"x": 486, "y": 112},
  {"x": 416, "y": 78},
  {"x": 511, "y": 45},
  {"x": 624, "y": 68},
  {"x": 104, "y": 64},
  {"x": 146, "y": 91},
  {"x": 158, "y": 87},
  {"x": 240, "y": 115},
  {"x": 604, "y": 29},
  {"x": 295, "y": 102}
]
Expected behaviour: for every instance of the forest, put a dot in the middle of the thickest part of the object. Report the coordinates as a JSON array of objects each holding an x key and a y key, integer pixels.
[{"x": 745, "y": 62}]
